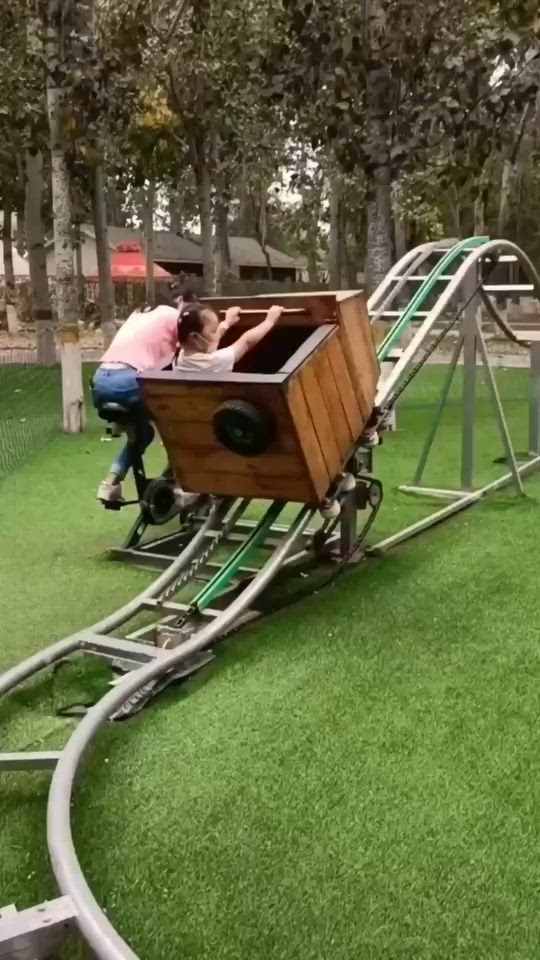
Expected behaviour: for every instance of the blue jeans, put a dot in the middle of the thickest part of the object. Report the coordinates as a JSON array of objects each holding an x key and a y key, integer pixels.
[{"x": 120, "y": 385}]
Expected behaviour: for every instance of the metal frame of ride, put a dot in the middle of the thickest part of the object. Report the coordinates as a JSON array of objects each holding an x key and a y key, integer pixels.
[{"x": 229, "y": 596}]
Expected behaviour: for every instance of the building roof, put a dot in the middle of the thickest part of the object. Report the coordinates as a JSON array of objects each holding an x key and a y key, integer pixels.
[
  {"x": 167, "y": 246},
  {"x": 247, "y": 252},
  {"x": 128, "y": 263},
  {"x": 172, "y": 248}
]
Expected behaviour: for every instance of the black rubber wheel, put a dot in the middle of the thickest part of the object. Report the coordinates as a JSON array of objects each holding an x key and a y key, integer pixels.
[
  {"x": 374, "y": 494},
  {"x": 158, "y": 504},
  {"x": 361, "y": 495},
  {"x": 244, "y": 428}
]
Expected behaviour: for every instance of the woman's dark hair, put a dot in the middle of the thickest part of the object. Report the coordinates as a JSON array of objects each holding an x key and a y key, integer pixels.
[
  {"x": 189, "y": 296},
  {"x": 185, "y": 294},
  {"x": 191, "y": 320},
  {"x": 159, "y": 300},
  {"x": 169, "y": 298}
]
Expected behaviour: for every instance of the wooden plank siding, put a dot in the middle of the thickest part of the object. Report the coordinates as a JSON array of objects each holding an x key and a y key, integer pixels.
[
  {"x": 183, "y": 415},
  {"x": 320, "y": 400},
  {"x": 359, "y": 350}
]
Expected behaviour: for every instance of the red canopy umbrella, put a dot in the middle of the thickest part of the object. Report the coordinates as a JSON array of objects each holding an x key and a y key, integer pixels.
[{"x": 128, "y": 263}]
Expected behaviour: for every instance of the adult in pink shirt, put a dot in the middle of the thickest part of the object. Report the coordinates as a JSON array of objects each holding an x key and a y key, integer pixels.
[{"x": 146, "y": 341}]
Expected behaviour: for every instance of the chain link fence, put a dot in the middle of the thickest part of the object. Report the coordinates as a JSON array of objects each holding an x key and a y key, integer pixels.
[{"x": 30, "y": 407}]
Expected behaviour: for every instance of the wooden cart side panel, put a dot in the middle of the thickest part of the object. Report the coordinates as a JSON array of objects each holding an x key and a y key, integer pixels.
[
  {"x": 362, "y": 396},
  {"x": 183, "y": 415},
  {"x": 321, "y": 419},
  {"x": 307, "y": 439},
  {"x": 359, "y": 350},
  {"x": 349, "y": 399},
  {"x": 210, "y": 460},
  {"x": 355, "y": 322},
  {"x": 333, "y": 403},
  {"x": 197, "y": 403},
  {"x": 255, "y": 488},
  {"x": 201, "y": 436}
]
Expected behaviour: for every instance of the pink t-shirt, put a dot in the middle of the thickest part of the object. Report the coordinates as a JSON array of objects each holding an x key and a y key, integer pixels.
[{"x": 147, "y": 340}]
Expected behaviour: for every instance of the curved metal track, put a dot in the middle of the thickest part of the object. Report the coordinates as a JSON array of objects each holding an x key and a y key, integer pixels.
[
  {"x": 401, "y": 272},
  {"x": 493, "y": 248},
  {"x": 105, "y": 942},
  {"x": 45, "y": 658}
]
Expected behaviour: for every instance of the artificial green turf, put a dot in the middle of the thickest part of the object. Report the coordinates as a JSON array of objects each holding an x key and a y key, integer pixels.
[
  {"x": 357, "y": 777},
  {"x": 30, "y": 411}
]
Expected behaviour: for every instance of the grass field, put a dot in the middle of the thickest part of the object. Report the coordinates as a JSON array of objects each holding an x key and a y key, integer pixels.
[
  {"x": 29, "y": 411},
  {"x": 357, "y": 777}
]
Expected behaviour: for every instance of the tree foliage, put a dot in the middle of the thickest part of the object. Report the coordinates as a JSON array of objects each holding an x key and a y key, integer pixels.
[{"x": 369, "y": 115}]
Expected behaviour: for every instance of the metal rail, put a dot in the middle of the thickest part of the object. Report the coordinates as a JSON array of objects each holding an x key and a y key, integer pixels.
[
  {"x": 78, "y": 901},
  {"x": 403, "y": 270},
  {"x": 50, "y": 655},
  {"x": 490, "y": 248},
  {"x": 97, "y": 930}
]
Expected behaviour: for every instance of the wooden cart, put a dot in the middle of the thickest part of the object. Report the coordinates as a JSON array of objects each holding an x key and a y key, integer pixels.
[{"x": 284, "y": 424}]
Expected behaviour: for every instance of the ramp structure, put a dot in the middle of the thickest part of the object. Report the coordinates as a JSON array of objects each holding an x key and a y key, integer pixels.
[{"x": 234, "y": 556}]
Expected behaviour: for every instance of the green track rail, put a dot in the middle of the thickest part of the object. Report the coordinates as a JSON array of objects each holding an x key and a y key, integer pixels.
[
  {"x": 449, "y": 263},
  {"x": 230, "y": 568}
]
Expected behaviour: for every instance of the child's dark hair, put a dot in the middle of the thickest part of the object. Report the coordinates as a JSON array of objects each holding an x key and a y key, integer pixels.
[{"x": 191, "y": 320}]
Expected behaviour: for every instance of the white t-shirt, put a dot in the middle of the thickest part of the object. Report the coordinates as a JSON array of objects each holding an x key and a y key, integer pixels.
[{"x": 219, "y": 361}]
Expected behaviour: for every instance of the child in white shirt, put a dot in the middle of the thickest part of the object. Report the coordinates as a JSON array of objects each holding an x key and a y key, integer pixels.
[{"x": 200, "y": 332}]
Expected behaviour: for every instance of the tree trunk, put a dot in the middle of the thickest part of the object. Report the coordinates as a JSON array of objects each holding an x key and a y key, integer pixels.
[
  {"x": 480, "y": 199},
  {"x": 12, "y": 322},
  {"x": 204, "y": 196},
  {"x": 334, "y": 246},
  {"x": 175, "y": 212},
  {"x": 379, "y": 256},
  {"x": 455, "y": 210},
  {"x": 246, "y": 219},
  {"x": 222, "y": 247},
  {"x": 261, "y": 226},
  {"x": 380, "y": 241},
  {"x": 79, "y": 275},
  {"x": 106, "y": 285},
  {"x": 66, "y": 294},
  {"x": 311, "y": 203},
  {"x": 509, "y": 172},
  {"x": 148, "y": 227},
  {"x": 350, "y": 263},
  {"x": 113, "y": 202},
  {"x": 313, "y": 265},
  {"x": 20, "y": 234},
  {"x": 34, "y": 190},
  {"x": 41, "y": 297},
  {"x": 400, "y": 236}
]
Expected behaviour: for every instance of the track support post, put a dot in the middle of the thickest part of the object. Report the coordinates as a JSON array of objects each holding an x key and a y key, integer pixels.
[
  {"x": 37, "y": 933},
  {"x": 470, "y": 331}
]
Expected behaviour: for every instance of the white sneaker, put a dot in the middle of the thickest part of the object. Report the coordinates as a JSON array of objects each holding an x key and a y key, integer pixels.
[
  {"x": 110, "y": 492},
  {"x": 183, "y": 499}
]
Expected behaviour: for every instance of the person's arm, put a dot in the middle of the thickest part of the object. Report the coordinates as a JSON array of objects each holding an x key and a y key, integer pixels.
[
  {"x": 252, "y": 337},
  {"x": 232, "y": 316}
]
